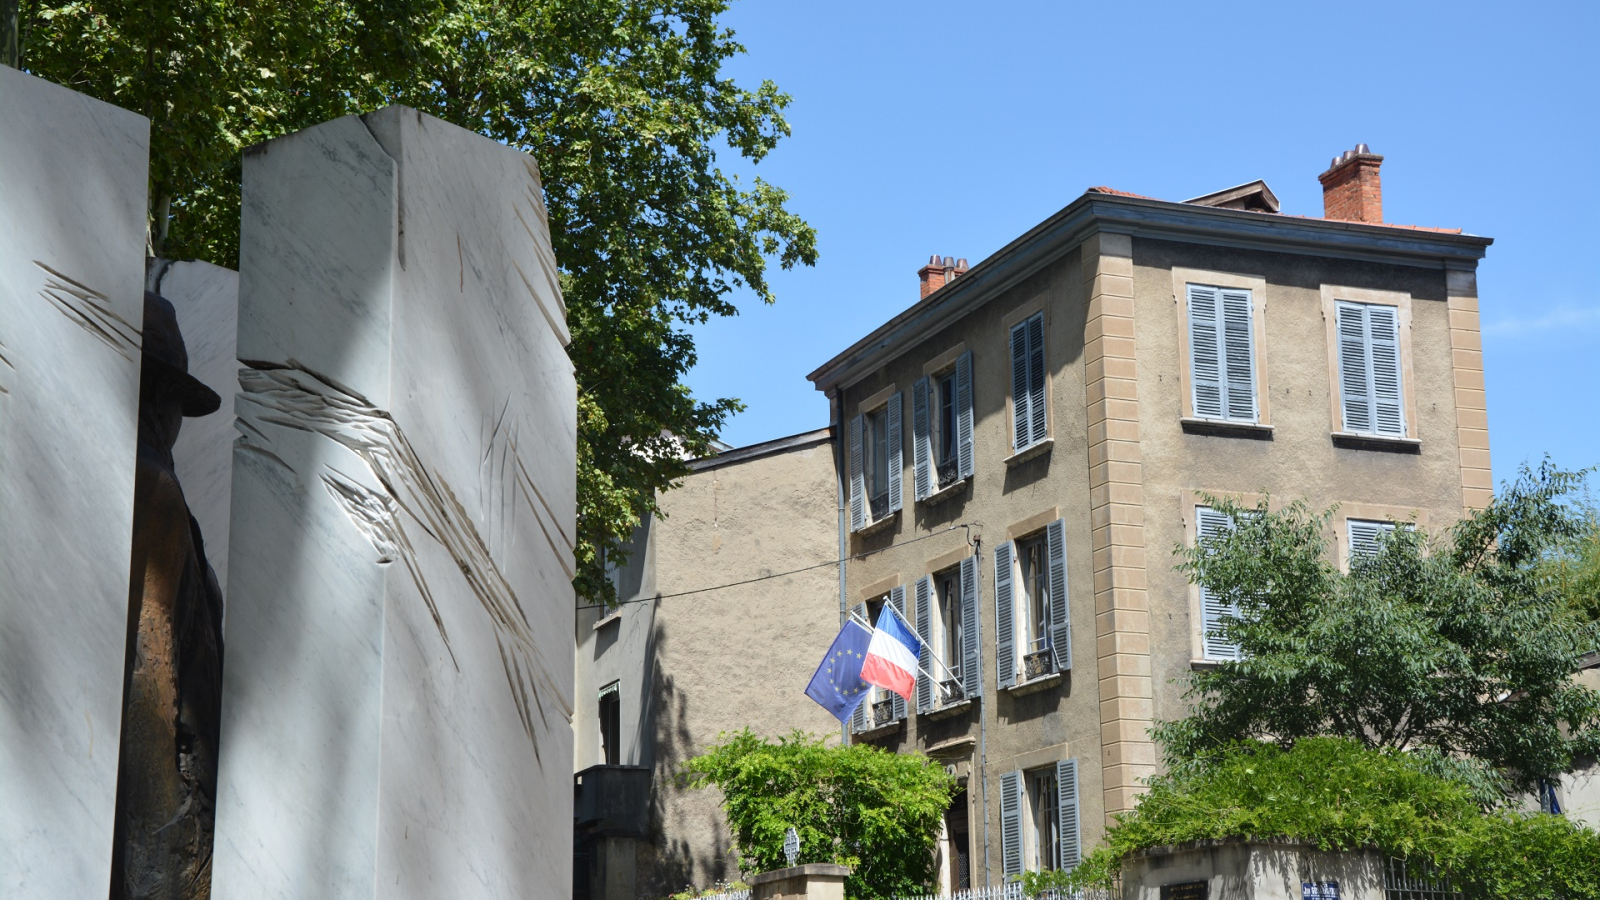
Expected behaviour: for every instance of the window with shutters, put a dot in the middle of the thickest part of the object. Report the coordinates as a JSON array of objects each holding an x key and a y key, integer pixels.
[
  {"x": 1222, "y": 354},
  {"x": 1363, "y": 537},
  {"x": 1029, "y": 416},
  {"x": 942, "y": 622},
  {"x": 941, "y": 412},
  {"x": 1039, "y": 819},
  {"x": 1209, "y": 524},
  {"x": 1032, "y": 613},
  {"x": 611, "y": 724},
  {"x": 1370, "y": 391},
  {"x": 875, "y": 463}
]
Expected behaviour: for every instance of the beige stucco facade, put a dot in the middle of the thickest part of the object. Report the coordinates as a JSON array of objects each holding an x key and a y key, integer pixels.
[
  {"x": 691, "y": 666},
  {"x": 1125, "y": 462}
]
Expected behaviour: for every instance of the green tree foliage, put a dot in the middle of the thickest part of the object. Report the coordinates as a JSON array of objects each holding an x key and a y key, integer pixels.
[
  {"x": 1465, "y": 647},
  {"x": 875, "y": 811},
  {"x": 623, "y": 103},
  {"x": 1339, "y": 795}
]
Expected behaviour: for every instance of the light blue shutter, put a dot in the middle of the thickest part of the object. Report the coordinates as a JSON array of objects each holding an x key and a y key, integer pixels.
[
  {"x": 858, "y": 719},
  {"x": 1388, "y": 410},
  {"x": 1364, "y": 537},
  {"x": 1005, "y": 611},
  {"x": 1036, "y": 404},
  {"x": 921, "y": 440},
  {"x": 1020, "y": 420},
  {"x": 858, "y": 480},
  {"x": 897, "y": 599},
  {"x": 1354, "y": 372},
  {"x": 896, "y": 455},
  {"x": 964, "y": 460},
  {"x": 971, "y": 650},
  {"x": 1210, "y": 524},
  {"x": 1238, "y": 341},
  {"x": 1205, "y": 353},
  {"x": 1060, "y": 604},
  {"x": 925, "y": 686},
  {"x": 1011, "y": 823},
  {"x": 1067, "y": 806}
]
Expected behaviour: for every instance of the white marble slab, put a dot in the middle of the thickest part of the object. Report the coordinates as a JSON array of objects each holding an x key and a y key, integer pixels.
[
  {"x": 206, "y": 298},
  {"x": 398, "y": 688},
  {"x": 72, "y": 228}
]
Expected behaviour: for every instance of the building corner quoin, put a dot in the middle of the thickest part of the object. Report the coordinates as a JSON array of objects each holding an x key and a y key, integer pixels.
[
  {"x": 1116, "y": 501},
  {"x": 1472, "y": 415}
]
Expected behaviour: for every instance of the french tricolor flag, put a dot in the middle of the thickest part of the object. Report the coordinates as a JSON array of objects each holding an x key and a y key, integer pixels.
[{"x": 891, "y": 661}]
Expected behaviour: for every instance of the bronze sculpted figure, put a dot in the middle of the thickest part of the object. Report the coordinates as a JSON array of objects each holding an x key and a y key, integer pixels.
[{"x": 172, "y": 683}]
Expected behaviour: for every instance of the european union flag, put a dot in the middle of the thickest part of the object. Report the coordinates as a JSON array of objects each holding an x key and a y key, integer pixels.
[{"x": 837, "y": 684}]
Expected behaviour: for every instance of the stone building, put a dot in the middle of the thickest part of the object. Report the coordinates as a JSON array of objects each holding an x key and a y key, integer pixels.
[{"x": 1016, "y": 455}]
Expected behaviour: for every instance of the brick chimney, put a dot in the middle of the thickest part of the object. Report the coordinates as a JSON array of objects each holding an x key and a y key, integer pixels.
[
  {"x": 1350, "y": 188},
  {"x": 940, "y": 272}
]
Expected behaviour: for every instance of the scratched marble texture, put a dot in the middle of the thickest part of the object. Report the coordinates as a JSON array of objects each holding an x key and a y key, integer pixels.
[
  {"x": 206, "y": 299},
  {"x": 72, "y": 192},
  {"x": 397, "y": 694}
]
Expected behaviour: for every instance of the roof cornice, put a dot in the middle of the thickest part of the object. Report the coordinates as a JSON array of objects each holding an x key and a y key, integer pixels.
[{"x": 1092, "y": 213}]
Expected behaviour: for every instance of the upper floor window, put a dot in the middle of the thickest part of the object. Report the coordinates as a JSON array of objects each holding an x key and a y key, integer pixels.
[
  {"x": 947, "y": 621},
  {"x": 941, "y": 413},
  {"x": 1370, "y": 391},
  {"x": 1029, "y": 425},
  {"x": 1222, "y": 369},
  {"x": 875, "y": 463},
  {"x": 1032, "y": 614},
  {"x": 1209, "y": 524},
  {"x": 1039, "y": 814}
]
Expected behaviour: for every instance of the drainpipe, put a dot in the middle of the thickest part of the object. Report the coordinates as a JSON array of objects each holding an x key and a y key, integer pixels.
[
  {"x": 838, "y": 481},
  {"x": 983, "y": 721}
]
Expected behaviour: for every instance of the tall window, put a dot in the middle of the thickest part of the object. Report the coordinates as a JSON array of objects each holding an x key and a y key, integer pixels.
[
  {"x": 1029, "y": 426},
  {"x": 941, "y": 426},
  {"x": 611, "y": 724},
  {"x": 948, "y": 587},
  {"x": 875, "y": 463},
  {"x": 1032, "y": 554},
  {"x": 1045, "y": 835},
  {"x": 945, "y": 459},
  {"x": 1210, "y": 524},
  {"x": 1039, "y": 819},
  {"x": 1370, "y": 393},
  {"x": 1032, "y": 615},
  {"x": 1222, "y": 368},
  {"x": 878, "y": 463}
]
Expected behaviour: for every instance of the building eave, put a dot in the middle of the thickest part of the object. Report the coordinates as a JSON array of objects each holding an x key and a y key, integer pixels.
[
  {"x": 1092, "y": 213},
  {"x": 765, "y": 448}
]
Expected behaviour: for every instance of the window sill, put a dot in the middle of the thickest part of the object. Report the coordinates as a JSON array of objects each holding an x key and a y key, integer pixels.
[
  {"x": 1031, "y": 452},
  {"x": 1042, "y": 683},
  {"x": 948, "y": 712},
  {"x": 610, "y": 617},
  {"x": 946, "y": 492},
  {"x": 1380, "y": 442},
  {"x": 1208, "y": 665},
  {"x": 1224, "y": 428},
  {"x": 878, "y": 525},
  {"x": 880, "y": 731}
]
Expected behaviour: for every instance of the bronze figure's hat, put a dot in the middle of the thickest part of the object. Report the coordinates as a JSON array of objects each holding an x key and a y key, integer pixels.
[{"x": 164, "y": 353}]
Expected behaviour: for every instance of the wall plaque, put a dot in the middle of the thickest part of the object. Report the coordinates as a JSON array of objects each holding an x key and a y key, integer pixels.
[
  {"x": 1319, "y": 890},
  {"x": 1187, "y": 890}
]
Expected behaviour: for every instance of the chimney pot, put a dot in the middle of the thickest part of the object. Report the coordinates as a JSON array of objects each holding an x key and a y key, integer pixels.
[
  {"x": 962, "y": 263},
  {"x": 1351, "y": 188}
]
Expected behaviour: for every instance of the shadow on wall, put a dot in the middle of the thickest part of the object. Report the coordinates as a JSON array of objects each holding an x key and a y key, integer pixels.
[{"x": 693, "y": 847}]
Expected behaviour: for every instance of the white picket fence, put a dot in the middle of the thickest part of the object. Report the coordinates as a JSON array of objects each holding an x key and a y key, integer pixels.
[{"x": 1013, "y": 891}]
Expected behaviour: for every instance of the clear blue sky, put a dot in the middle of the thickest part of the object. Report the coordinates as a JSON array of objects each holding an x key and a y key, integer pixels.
[{"x": 952, "y": 128}]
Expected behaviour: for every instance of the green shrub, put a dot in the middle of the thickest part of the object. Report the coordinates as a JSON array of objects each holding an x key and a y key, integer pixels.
[
  {"x": 877, "y": 812},
  {"x": 1336, "y": 794}
]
